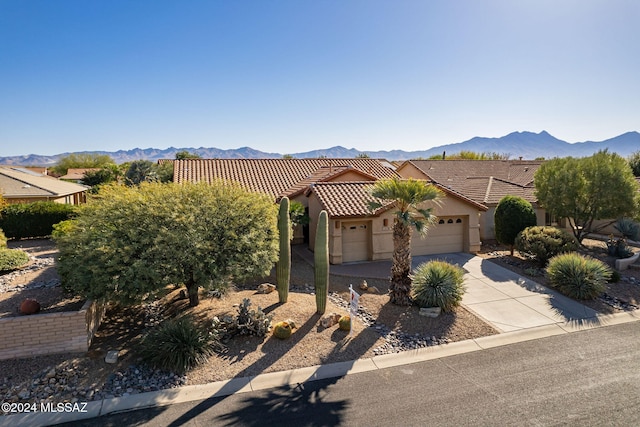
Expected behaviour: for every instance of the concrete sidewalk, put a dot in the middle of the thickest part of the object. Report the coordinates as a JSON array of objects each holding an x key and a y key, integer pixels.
[{"x": 505, "y": 299}]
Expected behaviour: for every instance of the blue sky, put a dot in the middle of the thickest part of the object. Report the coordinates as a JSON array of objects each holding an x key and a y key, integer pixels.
[{"x": 291, "y": 76}]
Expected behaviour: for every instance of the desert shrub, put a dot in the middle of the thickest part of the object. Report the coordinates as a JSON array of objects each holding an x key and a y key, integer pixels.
[
  {"x": 3, "y": 240},
  {"x": 10, "y": 259},
  {"x": 437, "y": 284},
  {"x": 578, "y": 276},
  {"x": 177, "y": 345},
  {"x": 245, "y": 322},
  {"x": 22, "y": 220},
  {"x": 543, "y": 242}
]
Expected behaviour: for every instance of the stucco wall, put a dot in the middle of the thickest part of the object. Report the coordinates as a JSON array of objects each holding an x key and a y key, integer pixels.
[
  {"x": 381, "y": 228},
  {"x": 50, "y": 333}
]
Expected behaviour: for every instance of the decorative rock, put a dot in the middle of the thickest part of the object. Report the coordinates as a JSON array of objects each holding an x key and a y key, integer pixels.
[
  {"x": 364, "y": 286},
  {"x": 266, "y": 288},
  {"x": 430, "y": 311},
  {"x": 112, "y": 356},
  {"x": 373, "y": 290},
  {"x": 29, "y": 306},
  {"x": 330, "y": 320}
]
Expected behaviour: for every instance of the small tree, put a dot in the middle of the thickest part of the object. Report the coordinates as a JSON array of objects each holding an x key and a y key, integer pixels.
[
  {"x": 129, "y": 243},
  {"x": 184, "y": 154},
  {"x": 513, "y": 214},
  {"x": 600, "y": 187},
  {"x": 81, "y": 160},
  {"x": 634, "y": 162},
  {"x": 146, "y": 171}
]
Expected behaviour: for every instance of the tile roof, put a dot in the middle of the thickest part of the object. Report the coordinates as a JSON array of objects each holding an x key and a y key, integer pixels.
[
  {"x": 485, "y": 181},
  {"x": 346, "y": 199},
  {"x": 276, "y": 177},
  {"x": 19, "y": 182},
  {"x": 351, "y": 198}
]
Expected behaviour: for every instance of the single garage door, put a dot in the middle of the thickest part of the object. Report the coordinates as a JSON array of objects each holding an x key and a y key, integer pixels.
[
  {"x": 445, "y": 237},
  {"x": 355, "y": 241}
]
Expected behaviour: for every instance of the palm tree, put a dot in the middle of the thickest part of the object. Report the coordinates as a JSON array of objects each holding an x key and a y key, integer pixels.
[{"x": 407, "y": 196}]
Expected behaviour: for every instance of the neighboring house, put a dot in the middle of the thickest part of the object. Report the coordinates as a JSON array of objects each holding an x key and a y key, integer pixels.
[
  {"x": 340, "y": 186},
  {"x": 77, "y": 175},
  {"x": 20, "y": 185},
  {"x": 483, "y": 181}
]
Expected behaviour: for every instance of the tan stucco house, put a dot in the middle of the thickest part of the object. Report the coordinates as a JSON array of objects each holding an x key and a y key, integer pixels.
[
  {"x": 483, "y": 181},
  {"x": 21, "y": 185},
  {"x": 340, "y": 186}
]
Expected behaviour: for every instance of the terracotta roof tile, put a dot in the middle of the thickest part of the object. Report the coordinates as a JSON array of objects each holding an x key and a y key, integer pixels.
[
  {"x": 485, "y": 181},
  {"x": 347, "y": 198},
  {"x": 276, "y": 177}
]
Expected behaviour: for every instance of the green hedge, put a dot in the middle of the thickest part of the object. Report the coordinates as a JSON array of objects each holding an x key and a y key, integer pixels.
[
  {"x": 22, "y": 220},
  {"x": 10, "y": 259}
]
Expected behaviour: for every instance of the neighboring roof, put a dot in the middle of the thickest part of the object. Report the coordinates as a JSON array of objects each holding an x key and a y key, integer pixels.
[
  {"x": 485, "y": 181},
  {"x": 347, "y": 199},
  {"x": 77, "y": 174},
  {"x": 23, "y": 183},
  {"x": 276, "y": 177}
]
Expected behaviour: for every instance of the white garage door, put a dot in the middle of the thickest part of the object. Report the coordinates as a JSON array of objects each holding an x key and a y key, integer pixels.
[
  {"x": 355, "y": 241},
  {"x": 445, "y": 237}
]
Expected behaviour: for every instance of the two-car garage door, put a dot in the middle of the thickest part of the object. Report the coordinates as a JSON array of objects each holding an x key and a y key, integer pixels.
[{"x": 445, "y": 237}]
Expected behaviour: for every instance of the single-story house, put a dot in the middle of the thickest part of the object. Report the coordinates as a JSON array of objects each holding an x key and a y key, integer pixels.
[
  {"x": 340, "y": 186},
  {"x": 483, "y": 181},
  {"x": 21, "y": 185}
]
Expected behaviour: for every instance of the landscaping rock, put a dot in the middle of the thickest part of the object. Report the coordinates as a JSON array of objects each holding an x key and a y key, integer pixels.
[
  {"x": 112, "y": 356},
  {"x": 430, "y": 311},
  {"x": 266, "y": 288}
]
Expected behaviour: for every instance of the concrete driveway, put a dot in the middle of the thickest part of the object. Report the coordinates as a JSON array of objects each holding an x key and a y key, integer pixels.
[{"x": 505, "y": 299}]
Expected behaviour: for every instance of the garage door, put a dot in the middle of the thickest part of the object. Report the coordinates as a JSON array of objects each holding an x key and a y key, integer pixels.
[
  {"x": 445, "y": 237},
  {"x": 355, "y": 241}
]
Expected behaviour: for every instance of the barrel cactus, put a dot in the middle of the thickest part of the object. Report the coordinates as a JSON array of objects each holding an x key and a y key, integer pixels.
[
  {"x": 345, "y": 323},
  {"x": 321, "y": 262},
  {"x": 283, "y": 330},
  {"x": 283, "y": 266}
]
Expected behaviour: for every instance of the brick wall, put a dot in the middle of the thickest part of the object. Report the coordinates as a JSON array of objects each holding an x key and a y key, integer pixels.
[{"x": 50, "y": 333}]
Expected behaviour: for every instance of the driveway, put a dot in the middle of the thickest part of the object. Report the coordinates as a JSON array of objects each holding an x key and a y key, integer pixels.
[{"x": 505, "y": 299}]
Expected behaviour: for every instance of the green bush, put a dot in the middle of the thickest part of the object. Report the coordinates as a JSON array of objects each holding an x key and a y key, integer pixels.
[
  {"x": 578, "y": 276},
  {"x": 542, "y": 243},
  {"x": 177, "y": 345},
  {"x": 10, "y": 259},
  {"x": 22, "y": 220},
  {"x": 3, "y": 240},
  {"x": 513, "y": 214},
  {"x": 437, "y": 284}
]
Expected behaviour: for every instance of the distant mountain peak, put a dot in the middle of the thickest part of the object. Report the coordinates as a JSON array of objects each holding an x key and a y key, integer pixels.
[{"x": 525, "y": 144}]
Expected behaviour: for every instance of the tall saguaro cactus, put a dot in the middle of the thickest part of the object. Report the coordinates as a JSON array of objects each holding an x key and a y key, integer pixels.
[
  {"x": 283, "y": 266},
  {"x": 321, "y": 262}
]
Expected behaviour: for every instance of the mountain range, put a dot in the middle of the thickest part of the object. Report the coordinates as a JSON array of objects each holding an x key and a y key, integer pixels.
[{"x": 526, "y": 145}]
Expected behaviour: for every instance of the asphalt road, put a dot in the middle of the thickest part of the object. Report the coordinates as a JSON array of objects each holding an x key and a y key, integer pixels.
[{"x": 584, "y": 378}]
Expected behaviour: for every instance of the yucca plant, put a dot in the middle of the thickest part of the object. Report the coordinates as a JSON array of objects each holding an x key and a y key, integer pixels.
[
  {"x": 178, "y": 345},
  {"x": 437, "y": 284},
  {"x": 578, "y": 276}
]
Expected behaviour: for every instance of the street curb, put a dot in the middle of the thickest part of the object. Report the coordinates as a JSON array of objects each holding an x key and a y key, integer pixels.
[{"x": 312, "y": 373}]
